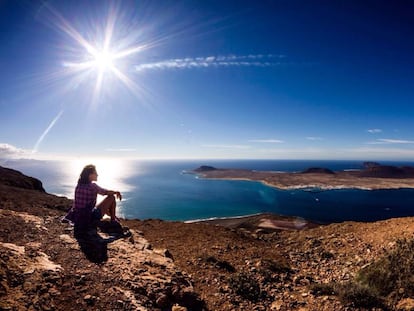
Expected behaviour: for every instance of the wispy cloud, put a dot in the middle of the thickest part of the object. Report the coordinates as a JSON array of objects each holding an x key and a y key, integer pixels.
[
  {"x": 10, "y": 151},
  {"x": 314, "y": 138},
  {"x": 259, "y": 60},
  {"x": 374, "y": 131},
  {"x": 269, "y": 141},
  {"x": 383, "y": 141},
  {"x": 226, "y": 146},
  {"x": 46, "y": 131}
]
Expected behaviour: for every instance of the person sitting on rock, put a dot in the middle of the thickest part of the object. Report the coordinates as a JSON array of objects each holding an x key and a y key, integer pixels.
[{"x": 85, "y": 213}]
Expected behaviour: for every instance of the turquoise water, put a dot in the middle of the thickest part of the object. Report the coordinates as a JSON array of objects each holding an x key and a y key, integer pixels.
[{"x": 159, "y": 189}]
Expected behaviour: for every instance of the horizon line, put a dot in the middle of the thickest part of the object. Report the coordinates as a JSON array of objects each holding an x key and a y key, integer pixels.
[{"x": 103, "y": 158}]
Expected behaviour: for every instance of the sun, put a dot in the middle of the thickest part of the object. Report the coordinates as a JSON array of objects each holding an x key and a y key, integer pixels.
[
  {"x": 104, "y": 61},
  {"x": 99, "y": 54}
]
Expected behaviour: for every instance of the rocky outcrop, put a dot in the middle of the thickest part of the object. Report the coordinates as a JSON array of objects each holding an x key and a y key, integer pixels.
[
  {"x": 16, "y": 179},
  {"x": 42, "y": 267}
]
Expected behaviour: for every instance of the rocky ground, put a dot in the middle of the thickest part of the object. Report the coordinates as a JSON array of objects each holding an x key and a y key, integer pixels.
[
  {"x": 281, "y": 265},
  {"x": 42, "y": 267},
  {"x": 245, "y": 264}
]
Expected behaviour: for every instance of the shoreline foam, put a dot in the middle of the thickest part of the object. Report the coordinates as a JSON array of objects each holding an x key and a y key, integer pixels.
[{"x": 191, "y": 221}]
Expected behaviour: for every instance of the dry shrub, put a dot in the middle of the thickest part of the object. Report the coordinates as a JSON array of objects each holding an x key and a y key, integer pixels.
[
  {"x": 390, "y": 277},
  {"x": 360, "y": 296},
  {"x": 393, "y": 271},
  {"x": 245, "y": 286},
  {"x": 323, "y": 289}
]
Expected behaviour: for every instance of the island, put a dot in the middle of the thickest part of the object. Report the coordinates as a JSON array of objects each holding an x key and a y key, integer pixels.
[{"x": 373, "y": 176}]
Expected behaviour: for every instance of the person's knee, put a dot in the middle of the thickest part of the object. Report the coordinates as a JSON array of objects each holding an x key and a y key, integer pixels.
[{"x": 111, "y": 198}]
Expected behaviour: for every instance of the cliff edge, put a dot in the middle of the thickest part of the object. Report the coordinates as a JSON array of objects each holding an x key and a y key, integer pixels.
[{"x": 42, "y": 266}]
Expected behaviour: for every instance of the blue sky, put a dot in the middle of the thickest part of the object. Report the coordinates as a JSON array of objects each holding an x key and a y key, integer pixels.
[{"x": 207, "y": 79}]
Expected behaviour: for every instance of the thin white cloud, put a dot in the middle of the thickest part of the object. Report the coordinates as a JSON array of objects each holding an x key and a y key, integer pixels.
[
  {"x": 383, "y": 141},
  {"x": 259, "y": 60},
  {"x": 397, "y": 141},
  {"x": 374, "y": 131},
  {"x": 226, "y": 146},
  {"x": 314, "y": 138},
  {"x": 270, "y": 141},
  {"x": 10, "y": 151},
  {"x": 46, "y": 131}
]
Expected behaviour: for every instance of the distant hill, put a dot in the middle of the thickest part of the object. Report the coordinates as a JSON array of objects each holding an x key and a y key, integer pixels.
[
  {"x": 318, "y": 170},
  {"x": 388, "y": 171},
  {"x": 370, "y": 164},
  {"x": 13, "y": 178},
  {"x": 205, "y": 168}
]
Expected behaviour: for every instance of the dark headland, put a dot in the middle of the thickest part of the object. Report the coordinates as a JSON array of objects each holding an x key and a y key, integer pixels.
[
  {"x": 238, "y": 265},
  {"x": 372, "y": 176}
]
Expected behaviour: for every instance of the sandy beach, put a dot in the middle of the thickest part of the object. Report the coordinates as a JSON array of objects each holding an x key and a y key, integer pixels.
[{"x": 263, "y": 221}]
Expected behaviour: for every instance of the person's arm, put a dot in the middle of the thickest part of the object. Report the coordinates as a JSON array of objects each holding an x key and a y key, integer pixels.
[{"x": 103, "y": 191}]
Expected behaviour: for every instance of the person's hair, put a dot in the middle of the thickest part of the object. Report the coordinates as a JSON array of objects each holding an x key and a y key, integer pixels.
[{"x": 84, "y": 176}]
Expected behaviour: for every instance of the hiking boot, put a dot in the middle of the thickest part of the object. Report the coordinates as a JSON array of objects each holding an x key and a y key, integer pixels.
[{"x": 126, "y": 234}]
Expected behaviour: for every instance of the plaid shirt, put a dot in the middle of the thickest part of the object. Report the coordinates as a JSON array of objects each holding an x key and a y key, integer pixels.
[{"x": 85, "y": 195}]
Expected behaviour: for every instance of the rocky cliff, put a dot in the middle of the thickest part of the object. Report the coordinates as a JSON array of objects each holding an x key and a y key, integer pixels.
[
  {"x": 262, "y": 263},
  {"x": 16, "y": 179},
  {"x": 42, "y": 266}
]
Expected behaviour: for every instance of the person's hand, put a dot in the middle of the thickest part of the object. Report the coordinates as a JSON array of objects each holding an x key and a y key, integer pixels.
[{"x": 118, "y": 195}]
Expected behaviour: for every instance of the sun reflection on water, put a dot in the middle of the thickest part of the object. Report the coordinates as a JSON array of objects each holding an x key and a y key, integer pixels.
[{"x": 111, "y": 172}]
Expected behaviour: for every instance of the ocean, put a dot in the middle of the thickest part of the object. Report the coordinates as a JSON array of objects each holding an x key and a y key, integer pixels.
[{"x": 160, "y": 189}]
